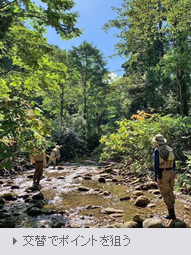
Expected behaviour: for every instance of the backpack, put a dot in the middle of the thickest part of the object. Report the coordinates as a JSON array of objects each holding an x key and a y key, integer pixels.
[{"x": 166, "y": 156}]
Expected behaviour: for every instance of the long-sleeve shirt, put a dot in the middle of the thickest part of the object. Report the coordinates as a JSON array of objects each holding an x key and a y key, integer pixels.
[
  {"x": 39, "y": 156},
  {"x": 156, "y": 162}
]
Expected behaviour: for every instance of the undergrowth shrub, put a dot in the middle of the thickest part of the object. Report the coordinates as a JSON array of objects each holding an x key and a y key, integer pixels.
[{"x": 132, "y": 141}]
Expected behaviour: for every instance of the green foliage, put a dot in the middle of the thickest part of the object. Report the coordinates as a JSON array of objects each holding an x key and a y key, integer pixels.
[
  {"x": 132, "y": 141},
  {"x": 155, "y": 40},
  {"x": 22, "y": 127},
  {"x": 72, "y": 144},
  {"x": 29, "y": 65}
]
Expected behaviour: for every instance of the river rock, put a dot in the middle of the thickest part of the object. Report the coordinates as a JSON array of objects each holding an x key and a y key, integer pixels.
[
  {"x": 88, "y": 207},
  {"x": 152, "y": 223},
  {"x": 108, "y": 170},
  {"x": 4, "y": 215},
  {"x": 111, "y": 210},
  {"x": 15, "y": 187},
  {"x": 152, "y": 185},
  {"x": 87, "y": 178},
  {"x": 77, "y": 176},
  {"x": 60, "y": 167},
  {"x": 107, "y": 226},
  {"x": 151, "y": 205},
  {"x": 104, "y": 193},
  {"x": 138, "y": 187},
  {"x": 33, "y": 188},
  {"x": 118, "y": 225},
  {"x": 82, "y": 188},
  {"x": 125, "y": 198},
  {"x": 114, "y": 180},
  {"x": 171, "y": 224},
  {"x": 180, "y": 224},
  {"x": 144, "y": 187},
  {"x": 75, "y": 225},
  {"x": 38, "y": 196},
  {"x": 102, "y": 180},
  {"x": 10, "y": 182},
  {"x": 16, "y": 213},
  {"x": 137, "y": 193},
  {"x": 138, "y": 218},
  {"x": 2, "y": 202},
  {"x": 29, "y": 200},
  {"x": 156, "y": 192},
  {"x": 8, "y": 223},
  {"x": 131, "y": 224},
  {"x": 30, "y": 176},
  {"x": 39, "y": 204},
  {"x": 61, "y": 178},
  {"x": 2, "y": 182},
  {"x": 142, "y": 201},
  {"x": 115, "y": 215},
  {"x": 105, "y": 176},
  {"x": 33, "y": 211},
  {"x": 9, "y": 196},
  {"x": 187, "y": 207},
  {"x": 58, "y": 224}
]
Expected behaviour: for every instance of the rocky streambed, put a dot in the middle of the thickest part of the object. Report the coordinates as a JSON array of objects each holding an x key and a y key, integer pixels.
[{"x": 86, "y": 194}]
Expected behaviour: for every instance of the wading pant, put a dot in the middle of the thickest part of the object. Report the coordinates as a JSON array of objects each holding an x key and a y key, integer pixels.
[
  {"x": 38, "y": 171},
  {"x": 52, "y": 159},
  {"x": 166, "y": 186}
]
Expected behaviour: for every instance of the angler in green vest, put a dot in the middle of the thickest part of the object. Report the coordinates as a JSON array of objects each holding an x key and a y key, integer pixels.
[{"x": 164, "y": 170}]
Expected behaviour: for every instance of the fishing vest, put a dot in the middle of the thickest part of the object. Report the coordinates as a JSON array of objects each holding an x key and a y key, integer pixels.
[
  {"x": 55, "y": 153},
  {"x": 166, "y": 156}
]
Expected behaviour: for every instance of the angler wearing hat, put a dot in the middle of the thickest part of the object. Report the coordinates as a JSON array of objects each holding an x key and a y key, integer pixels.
[
  {"x": 55, "y": 154},
  {"x": 39, "y": 158},
  {"x": 164, "y": 170}
]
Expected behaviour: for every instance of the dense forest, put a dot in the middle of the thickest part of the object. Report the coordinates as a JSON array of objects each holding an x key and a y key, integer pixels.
[{"x": 52, "y": 96}]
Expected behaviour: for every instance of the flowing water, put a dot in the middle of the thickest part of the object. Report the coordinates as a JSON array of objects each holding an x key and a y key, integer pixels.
[{"x": 80, "y": 208}]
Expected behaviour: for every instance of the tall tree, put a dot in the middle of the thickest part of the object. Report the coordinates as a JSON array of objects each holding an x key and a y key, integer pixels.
[
  {"x": 26, "y": 63},
  {"x": 88, "y": 62},
  {"x": 152, "y": 35}
]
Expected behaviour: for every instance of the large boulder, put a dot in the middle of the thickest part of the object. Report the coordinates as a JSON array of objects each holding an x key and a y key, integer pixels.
[
  {"x": 142, "y": 201},
  {"x": 180, "y": 224},
  {"x": 131, "y": 224},
  {"x": 33, "y": 211},
  {"x": 102, "y": 180},
  {"x": 152, "y": 223},
  {"x": 38, "y": 196}
]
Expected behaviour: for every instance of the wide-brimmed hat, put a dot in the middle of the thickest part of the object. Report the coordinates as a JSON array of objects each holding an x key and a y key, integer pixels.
[{"x": 159, "y": 139}]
